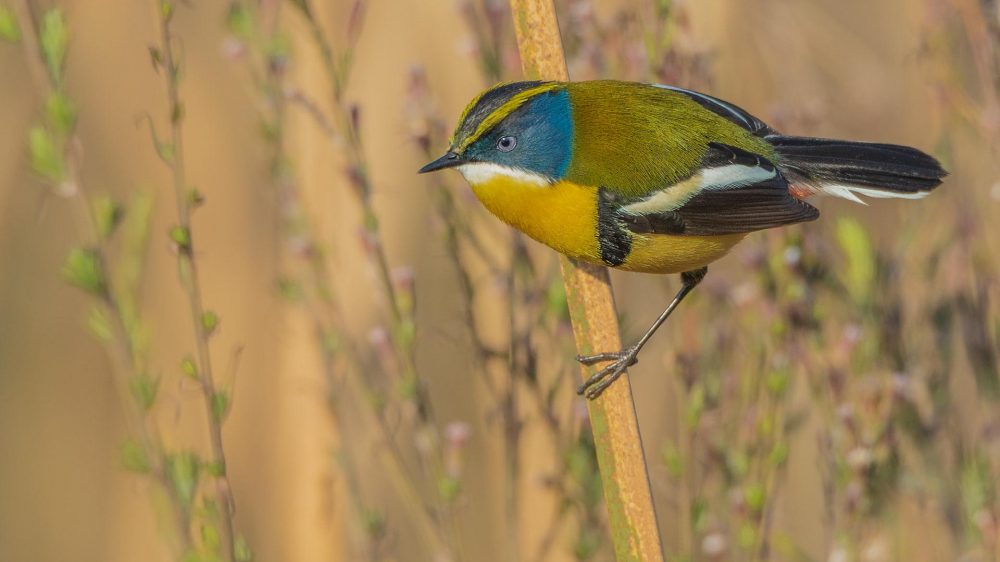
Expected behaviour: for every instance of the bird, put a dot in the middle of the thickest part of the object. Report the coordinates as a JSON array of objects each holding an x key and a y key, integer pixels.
[{"x": 655, "y": 179}]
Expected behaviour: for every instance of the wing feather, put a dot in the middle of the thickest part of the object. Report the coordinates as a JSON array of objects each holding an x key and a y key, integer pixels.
[
  {"x": 724, "y": 109},
  {"x": 736, "y": 192}
]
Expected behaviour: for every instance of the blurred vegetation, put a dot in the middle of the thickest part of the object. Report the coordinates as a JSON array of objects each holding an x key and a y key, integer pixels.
[{"x": 830, "y": 393}]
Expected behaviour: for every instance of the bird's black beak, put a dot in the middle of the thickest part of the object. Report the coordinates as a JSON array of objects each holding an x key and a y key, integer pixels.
[{"x": 449, "y": 160}]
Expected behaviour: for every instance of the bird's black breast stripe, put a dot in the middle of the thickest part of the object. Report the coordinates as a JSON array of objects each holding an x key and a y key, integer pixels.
[{"x": 614, "y": 240}]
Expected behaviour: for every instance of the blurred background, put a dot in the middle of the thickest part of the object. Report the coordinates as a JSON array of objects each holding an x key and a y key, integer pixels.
[{"x": 212, "y": 233}]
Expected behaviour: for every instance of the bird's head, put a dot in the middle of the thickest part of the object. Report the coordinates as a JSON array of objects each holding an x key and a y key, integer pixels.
[{"x": 519, "y": 128}]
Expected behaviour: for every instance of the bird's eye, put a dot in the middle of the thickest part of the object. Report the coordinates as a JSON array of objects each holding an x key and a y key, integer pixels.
[{"x": 506, "y": 144}]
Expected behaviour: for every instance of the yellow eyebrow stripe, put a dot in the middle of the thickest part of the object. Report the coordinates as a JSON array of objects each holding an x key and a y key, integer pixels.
[
  {"x": 500, "y": 113},
  {"x": 468, "y": 108}
]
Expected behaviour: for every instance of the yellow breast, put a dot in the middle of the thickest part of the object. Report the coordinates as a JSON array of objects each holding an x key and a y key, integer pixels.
[{"x": 563, "y": 216}]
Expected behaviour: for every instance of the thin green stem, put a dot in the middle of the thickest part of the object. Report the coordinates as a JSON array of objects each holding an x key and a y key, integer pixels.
[
  {"x": 120, "y": 346},
  {"x": 320, "y": 300},
  {"x": 192, "y": 283}
]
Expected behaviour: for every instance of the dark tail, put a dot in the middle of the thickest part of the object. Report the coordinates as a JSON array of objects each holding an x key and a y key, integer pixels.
[{"x": 848, "y": 168}]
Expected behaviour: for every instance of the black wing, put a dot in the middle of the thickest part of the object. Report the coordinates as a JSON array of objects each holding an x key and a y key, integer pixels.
[
  {"x": 724, "y": 109},
  {"x": 745, "y": 193}
]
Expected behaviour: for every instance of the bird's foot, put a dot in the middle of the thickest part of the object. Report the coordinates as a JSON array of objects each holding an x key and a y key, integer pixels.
[{"x": 601, "y": 380}]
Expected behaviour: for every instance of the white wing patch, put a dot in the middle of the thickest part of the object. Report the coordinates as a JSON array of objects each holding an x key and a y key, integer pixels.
[
  {"x": 481, "y": 172},
  {"x": 667, "y": 199},
  {"x": 733, "y": 176}
]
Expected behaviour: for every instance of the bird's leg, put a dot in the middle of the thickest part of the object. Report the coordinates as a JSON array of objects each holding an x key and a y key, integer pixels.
[{"x": 621, "y": 360}]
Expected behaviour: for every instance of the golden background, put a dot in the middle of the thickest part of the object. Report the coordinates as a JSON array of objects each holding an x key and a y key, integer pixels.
[{"x": 840, "y": 68}]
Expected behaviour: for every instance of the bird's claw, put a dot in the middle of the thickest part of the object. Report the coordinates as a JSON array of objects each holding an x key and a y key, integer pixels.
[{"x": 601, "y": 380}]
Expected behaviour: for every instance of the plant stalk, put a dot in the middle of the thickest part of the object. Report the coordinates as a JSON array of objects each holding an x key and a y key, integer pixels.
[
  {"x": 192, "y": 283},
  {"x": 591, "y": 304}
]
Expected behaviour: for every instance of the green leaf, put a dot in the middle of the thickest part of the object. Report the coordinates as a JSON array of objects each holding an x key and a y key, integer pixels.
[
  {"x": 239, "y": 20},
  {"x": 177, "y": 112},
  {"x": 189, "y": 367},
  {"x": 209, "y": 322},
  {"x": 700, "y": 514},
  {"x": 277, "y": 50},
  {"x": 134, "y": 233},
  {"x": 195, "y": 198},
  {"x": 182, "y": 471},
  {"x": 216, "y": 469},
  {"x": 663, "y": 9},
  {"x": 587, "y": 544},
  {"x": 100, "y": 327},
  {"x": 166, "y": 10},
  {"x": 210, "y": 537},
  {"x": 555, "y": 298},
  {"x": 60, "y": 111},
  {"x": 674, "y": 460},
  {"x": 777, "y": 382},
  {"x": 330, "y": 342},
  {"x": 181, "y": 236},
  {"x": 134, "y": 457},
  {"x": 270, "y": 130},
  {"x": 695, "y": 406},
  {"x": 9, "y": 29},
  {"x": 747, "y": 535},
  {"x": 290, "y": 289},
  {"x": 857, "y": 247},
  {"x": 755, "y": 497},
  {"x": 53, "y": 38},
  {"x": 220, "y": 405},
  {"x": 144, "y": 388},
  {"x": 779, "y": 454},
  {"x": 976, "y": 484},
  {"x": 164, "y": 150},
  {"x": 449, "y": 487},
  {"x": 374, "y": 523},
  {"x": 408, "y": 387},
  {"x": 406, "y": 332},
  {"x": 108, "y": 214},
  {"x": 304, "y": 6},
  {"x": 46, "y": 154},
  {"x": 241, "y": 549},
  {"x": 737, "y": 463},
  {"x": 83, "y": 269},
  {"x": 156, "y": 57}
]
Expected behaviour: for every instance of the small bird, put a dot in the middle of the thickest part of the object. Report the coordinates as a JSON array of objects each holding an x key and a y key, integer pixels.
[{"x": 655, "y": 179}]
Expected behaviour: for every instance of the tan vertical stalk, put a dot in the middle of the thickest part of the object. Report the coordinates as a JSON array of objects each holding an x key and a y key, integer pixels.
[{"x": 595, "y": 323}]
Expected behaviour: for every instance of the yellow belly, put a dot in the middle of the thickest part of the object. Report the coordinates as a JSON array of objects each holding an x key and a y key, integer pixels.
[
  {"x": 663, "y": 253},
  {"x": 563, "y": 216}
]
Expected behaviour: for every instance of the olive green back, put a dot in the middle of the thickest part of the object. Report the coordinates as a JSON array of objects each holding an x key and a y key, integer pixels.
[{"x": 636, "y": 138}]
